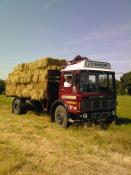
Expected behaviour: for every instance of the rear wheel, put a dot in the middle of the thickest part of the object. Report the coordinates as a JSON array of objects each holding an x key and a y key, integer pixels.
[
  {"x": 18, "y": 106},
  {"x": 61, "y": 116}
]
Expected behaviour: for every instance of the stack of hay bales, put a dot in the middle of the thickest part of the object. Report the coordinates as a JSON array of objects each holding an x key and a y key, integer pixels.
[{"x": 29, "y": 80}]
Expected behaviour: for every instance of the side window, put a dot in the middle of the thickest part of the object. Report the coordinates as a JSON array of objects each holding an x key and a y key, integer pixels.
[
  {"x": 92, "y": 79},
  {"x": 92, "y": 83},
  {"x": 110, "y": 82},
  {"x": 84, "y": 77},
  {"x": 103, "y": 80},
  {"x": 67, "y": 80}
]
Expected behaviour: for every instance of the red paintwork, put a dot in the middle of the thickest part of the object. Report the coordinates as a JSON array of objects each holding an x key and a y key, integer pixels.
[{"x": 68, "y": 91}]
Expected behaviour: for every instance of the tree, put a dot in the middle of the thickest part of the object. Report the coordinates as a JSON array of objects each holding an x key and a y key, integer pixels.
[
  {"x": 122, "y": 90},
  {"x": 2, "y": 86},
  {"x": 117, "y": 85},
  {"x": 129, "y": 89},
  {"x": 125, "y": 84}
]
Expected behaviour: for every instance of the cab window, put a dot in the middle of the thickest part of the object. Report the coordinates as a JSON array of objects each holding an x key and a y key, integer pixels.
[{"x": 67, "y": 80}]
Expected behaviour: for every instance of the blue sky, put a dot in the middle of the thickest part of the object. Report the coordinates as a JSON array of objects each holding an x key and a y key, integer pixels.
[{"x": 98, "y": 29}]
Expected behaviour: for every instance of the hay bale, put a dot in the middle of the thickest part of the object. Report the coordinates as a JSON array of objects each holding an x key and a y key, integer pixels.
[
  {"x": 20, "y": 67},
  {"x": 11, "y": 90},
  {"x": 35, "y": 78},
  {"x": 25, "y": 92},
  {"x": 25, "y": 77},
  {"x": 29, "y": 80},
  {"x": 19, "y": 91},
  {"x": 43, "y": 75},
  {"x": 45, "y": 62},
  {"x": 41, "y": 63}
]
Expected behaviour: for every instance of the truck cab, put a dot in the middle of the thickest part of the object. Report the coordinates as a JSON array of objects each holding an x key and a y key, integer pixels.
[{"x": 87, "y": 93}]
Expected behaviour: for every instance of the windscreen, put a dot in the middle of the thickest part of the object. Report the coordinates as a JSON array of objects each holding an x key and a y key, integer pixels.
[{"x": 96, "y": 81}]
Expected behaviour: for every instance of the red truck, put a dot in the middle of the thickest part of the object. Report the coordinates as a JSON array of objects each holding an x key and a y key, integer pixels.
[{"x": 83, "y": 90}]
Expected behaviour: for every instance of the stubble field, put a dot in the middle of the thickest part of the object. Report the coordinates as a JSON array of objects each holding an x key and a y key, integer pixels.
[{"x": 31, "y": 145}]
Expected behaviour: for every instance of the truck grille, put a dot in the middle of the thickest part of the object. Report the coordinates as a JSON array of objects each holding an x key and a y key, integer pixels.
[{"x": 98, "y": 104}]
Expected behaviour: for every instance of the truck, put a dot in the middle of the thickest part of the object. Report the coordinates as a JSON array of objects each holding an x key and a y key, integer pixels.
[{"x": 80, "y": 90}]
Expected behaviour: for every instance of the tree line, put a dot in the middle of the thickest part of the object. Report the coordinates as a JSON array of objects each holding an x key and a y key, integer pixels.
[{"x": 123, "y": 86}]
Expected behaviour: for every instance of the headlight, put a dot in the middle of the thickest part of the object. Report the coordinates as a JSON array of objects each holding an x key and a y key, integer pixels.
[
  {"x": 113, "y": 112},
  {"x": 85, "y": 115}
]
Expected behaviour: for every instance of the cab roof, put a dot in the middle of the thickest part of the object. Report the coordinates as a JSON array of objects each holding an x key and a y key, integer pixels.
[{"x": 89, "y": 65}]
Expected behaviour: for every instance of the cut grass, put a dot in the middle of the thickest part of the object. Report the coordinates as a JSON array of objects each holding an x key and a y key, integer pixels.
[{"x": 30, "y": 145}]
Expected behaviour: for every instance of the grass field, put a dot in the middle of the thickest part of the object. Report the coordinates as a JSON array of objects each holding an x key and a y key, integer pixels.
[{"x": 31, "y": 145}]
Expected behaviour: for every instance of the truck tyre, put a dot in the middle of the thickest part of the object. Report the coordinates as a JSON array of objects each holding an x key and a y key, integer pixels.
[
  {"x": 61, "y": 116},
  {"x": 104, "y": 125},
  {"x": 18, "y": 106}
]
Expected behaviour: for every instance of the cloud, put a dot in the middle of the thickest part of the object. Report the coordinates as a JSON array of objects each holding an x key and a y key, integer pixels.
[
  {"x": 106, "y": 33},
  {"x": 48, "y": 4}
]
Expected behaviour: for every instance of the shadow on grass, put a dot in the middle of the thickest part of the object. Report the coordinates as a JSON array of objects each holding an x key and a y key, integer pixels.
[
  {"x": 123, "y": 120},
  {"x": 103, "y": 126}
]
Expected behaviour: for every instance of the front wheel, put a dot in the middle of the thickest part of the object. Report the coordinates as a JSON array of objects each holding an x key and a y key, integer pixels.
[
  {"x": 104, "y": 125},
  {"x": 61, "y": 116}
]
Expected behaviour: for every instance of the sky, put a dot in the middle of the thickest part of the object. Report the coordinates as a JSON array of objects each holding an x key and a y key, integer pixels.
[{"x": 97, "y": 29}]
